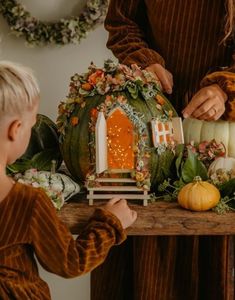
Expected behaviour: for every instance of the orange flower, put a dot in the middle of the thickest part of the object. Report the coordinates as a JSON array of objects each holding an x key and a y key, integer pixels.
[
  {"x": 61, "y": 108},
  {"x": 94, "y": 113},
  {"x": 74, "y": 121},
  {"x": 96, "y": 77},
  {"x": 160, "y": 100},
  {"x": 86, "y": 86},
  {"x": 139, "y": 176}
]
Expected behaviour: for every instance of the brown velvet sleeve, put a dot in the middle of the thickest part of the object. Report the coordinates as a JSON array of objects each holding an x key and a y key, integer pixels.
[
  {"x": 55, "y": 247},
  {"x": 226, "y": 80},
  {"x": 126, "y": 36}
]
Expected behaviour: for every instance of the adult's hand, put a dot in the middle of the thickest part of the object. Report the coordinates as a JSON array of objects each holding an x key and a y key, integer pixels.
[
  {"x": 207, "y": 104},
  {"x": 163, "y": 76}
]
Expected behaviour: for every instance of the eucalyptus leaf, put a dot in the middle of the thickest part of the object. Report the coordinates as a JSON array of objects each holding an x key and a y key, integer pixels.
[{"x": 193, "y": 167}]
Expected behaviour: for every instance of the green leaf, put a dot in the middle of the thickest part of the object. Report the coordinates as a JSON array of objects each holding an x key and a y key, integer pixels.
[
  {"x": 193, "y": 167},
  {"x": 42, "y": 160},
  {"x": 19, "y": 166},
  {"x": 227, "y": 188}
]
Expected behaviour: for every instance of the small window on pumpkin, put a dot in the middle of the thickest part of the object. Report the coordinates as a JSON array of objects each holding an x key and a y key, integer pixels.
[
  {"x": 166, "y": 132},
  {"x": 162, "y": 132}
]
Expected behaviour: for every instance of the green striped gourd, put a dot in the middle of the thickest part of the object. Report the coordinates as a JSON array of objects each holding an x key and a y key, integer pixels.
[{"x": 61, "y": 183}]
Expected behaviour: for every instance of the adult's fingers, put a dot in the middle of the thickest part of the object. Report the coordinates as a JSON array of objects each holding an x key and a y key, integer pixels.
[
  {"x": 166, "y": 81},
  {"x": 195, "y": 103},
  {"x": 210, "y": 105},
  {"x": 211, "y": 115},
  {"x": 164, "y": 76},
  {"x": 170, "y": 77}
]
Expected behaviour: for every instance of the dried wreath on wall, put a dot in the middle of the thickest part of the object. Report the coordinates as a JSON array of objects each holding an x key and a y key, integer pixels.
[{"x": 62, "y": 32}]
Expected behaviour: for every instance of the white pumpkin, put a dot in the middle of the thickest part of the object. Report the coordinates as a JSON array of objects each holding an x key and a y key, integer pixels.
[
  {"x": 225, "y": 163},
  {"x": 222, "y": 131}
]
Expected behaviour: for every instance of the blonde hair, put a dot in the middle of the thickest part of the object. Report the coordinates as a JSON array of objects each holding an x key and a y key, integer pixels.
[
  {"x": 19, "y": 89},
  {"x": 229, "y": 20}
]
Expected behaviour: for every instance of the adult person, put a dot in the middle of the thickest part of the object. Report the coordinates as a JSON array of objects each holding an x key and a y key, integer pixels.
[
  {"x": 181, "y": 42},
  {"x": 188, "y": 45}
]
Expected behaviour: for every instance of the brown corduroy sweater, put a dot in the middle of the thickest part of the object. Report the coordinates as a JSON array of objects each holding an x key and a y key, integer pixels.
[
  {"x": 182, "y": 35},
  {"x": 29, "y": 225}
]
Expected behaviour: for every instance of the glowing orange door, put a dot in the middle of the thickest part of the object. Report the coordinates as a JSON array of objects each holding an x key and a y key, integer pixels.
[{"x": 120, "y": 141}]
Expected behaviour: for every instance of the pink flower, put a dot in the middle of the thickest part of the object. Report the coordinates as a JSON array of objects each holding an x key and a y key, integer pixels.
[{"x": 203, "y": 146}]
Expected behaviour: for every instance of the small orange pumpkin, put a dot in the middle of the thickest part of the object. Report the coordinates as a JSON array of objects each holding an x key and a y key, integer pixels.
[{"x": 198, "y": 195}]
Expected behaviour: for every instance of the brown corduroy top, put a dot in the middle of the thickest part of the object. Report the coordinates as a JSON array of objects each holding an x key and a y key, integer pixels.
[
  {"x": 182, "y": 35},
  {"x": 29, "y": 225}
]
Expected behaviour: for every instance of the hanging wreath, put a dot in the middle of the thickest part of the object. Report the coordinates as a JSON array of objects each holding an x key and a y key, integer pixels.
[{"x": 62, "y": 32}]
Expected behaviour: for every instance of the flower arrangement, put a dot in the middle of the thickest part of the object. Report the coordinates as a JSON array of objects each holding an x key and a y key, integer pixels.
[
  {"x": 193, "y": 160},
  {"x": 207, "y": 151},
  {"x": 62, "y": 32},
  {"x": 112, "y": 78}
]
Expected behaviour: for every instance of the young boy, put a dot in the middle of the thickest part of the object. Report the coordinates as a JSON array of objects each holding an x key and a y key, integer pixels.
[{"x": 28, "y": 221}]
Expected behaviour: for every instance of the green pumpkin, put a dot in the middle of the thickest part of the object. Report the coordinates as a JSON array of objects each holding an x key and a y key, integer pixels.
[
  {"x": 42, "y": 149},
  {"x": 75, "y": 118}
]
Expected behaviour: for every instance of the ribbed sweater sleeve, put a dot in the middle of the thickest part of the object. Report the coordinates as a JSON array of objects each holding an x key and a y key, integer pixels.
[
  {"x": 125, "y": 24},
  {"x": 56, "y": 249}
]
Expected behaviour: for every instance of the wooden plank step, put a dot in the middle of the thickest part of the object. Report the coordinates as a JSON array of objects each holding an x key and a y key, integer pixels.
[
  {"x": 116, "y": 189},
  {"x": 122, "y": 196},
  {"x": 127, "y": 180}
]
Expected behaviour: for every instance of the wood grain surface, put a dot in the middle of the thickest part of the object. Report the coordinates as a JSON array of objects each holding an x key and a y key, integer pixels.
[{"x": 158, "y": 218}]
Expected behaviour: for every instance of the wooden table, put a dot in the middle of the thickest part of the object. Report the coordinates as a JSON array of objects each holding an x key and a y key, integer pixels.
[{"x": 155, "y": 222}]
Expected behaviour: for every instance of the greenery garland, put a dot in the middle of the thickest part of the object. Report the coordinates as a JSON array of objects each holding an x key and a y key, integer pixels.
[{"x": 62, "y": 32}]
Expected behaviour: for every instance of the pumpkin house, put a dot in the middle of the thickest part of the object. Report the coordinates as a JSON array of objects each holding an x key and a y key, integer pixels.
[
  {"x": 117, "y": 139},
  {"x": 118, "y": 132}
]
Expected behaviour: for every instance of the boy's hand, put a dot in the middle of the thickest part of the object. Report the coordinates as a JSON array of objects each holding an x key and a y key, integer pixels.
[
  {"x": 207, "y": 104},
  {"x": 163, "y": 76},
  {"x": 122, "y": 211}
]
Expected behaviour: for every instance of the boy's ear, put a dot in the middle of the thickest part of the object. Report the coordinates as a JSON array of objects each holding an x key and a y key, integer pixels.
[{"x": 13, "y": 130}]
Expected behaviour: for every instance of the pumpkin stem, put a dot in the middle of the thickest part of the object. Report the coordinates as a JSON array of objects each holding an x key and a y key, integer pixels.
[
  {"x": 197, "y": 179},
  {"x": 53, "y": 166}
]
